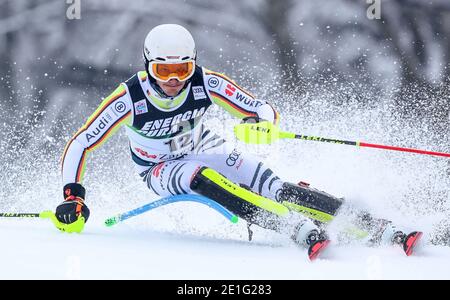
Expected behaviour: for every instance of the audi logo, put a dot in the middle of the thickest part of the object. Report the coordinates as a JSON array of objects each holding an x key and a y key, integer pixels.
[{"x": 232, "y": 158}]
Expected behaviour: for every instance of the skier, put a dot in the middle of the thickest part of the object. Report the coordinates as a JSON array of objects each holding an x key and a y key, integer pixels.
[{"x": 161, "y": 110}]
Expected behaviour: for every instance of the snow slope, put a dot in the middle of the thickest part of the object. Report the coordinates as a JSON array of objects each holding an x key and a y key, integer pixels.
[{"x": 35, "y": 251}]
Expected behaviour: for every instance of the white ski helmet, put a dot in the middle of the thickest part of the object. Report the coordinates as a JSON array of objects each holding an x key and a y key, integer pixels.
[{"x": 169, "y": 52}]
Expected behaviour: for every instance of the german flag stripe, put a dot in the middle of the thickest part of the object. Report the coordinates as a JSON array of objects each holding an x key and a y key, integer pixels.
[
  {"x": 231, "y": 81},
  {"x": 105, "y": 136},
  {"x": 234, "y": 106},
  {"x": 92, "y": 118},
  {"x": 143, "y": 76},
  {"x": 80, "y": 169},
  {"x": 103, "y": 107},
  {"x": 69, "y": 143}
]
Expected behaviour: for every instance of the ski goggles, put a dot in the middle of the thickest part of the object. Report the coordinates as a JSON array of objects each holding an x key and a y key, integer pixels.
[{"x": 164, "y": 71}]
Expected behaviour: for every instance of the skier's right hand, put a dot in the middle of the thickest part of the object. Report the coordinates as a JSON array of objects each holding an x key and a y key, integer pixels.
[
  {"x": 73, "y": 206},
  {"x": 256, "y": 131}
]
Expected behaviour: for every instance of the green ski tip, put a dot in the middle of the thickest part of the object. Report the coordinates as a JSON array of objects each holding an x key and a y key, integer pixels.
[{"x": 234, "y": 219}]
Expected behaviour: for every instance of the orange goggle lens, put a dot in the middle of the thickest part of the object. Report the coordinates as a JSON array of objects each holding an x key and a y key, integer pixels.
[{"x": 165, "y": 72}]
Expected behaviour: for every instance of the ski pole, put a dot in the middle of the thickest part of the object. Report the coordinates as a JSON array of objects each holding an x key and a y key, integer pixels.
[
  {"x": 20, "y": 215},
  {"x": 76, "y": 226},
  {"x": 266, "y": 133},
  {"x": 172, "y": 199}
]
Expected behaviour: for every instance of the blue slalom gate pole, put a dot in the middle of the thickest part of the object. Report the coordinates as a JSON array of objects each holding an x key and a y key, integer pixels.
[{"x": 172, "y": 199}]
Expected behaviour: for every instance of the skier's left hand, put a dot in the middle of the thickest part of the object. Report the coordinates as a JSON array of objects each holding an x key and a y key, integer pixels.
[
  {"x": 73, "y": 205},
  {"x": 71, "y": 210},
  {"x": 72, "y": 213}
]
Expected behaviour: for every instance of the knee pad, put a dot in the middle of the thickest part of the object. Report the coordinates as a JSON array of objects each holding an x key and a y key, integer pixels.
[{"x": 171, "y": 177}]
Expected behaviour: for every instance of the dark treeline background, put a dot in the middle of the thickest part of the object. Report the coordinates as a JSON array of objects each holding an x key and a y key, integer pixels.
[{"x": 50, "y": 64}]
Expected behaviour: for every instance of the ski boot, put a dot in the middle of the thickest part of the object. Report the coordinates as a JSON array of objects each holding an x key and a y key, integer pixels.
[
  {"x": 317, "y": 243},
  {"x": 408, "y": 242},
  {"x": 391, "y": 235},
  {"x": 309, "y": 235}
]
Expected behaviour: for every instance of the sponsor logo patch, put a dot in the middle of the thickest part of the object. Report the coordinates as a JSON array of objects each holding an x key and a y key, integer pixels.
[
  {"x": 171, "y": 125},
  {"x": 145, "y": 153},
  {"x": 230, "y": 90},
  {"x": 247, "y": 100},
  {"x": 101, "y": 124},
  {"x": 232, "y": 158},
  {"x": 120, "y": 107},
  {"x": 140, "y": 107},
  {"x": 199, "y": 92},
  {"x": 213, "y": 82}
]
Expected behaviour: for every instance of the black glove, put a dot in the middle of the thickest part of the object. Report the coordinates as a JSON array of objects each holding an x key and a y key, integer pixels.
[
  {"x": 69, "y": 210},
  {"x": 252, "y": 120}
]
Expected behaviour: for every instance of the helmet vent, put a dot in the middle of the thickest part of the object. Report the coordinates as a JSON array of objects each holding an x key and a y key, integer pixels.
[
  {"x": 160, "y": 58},
  {"x": 186, "y": 57}
]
